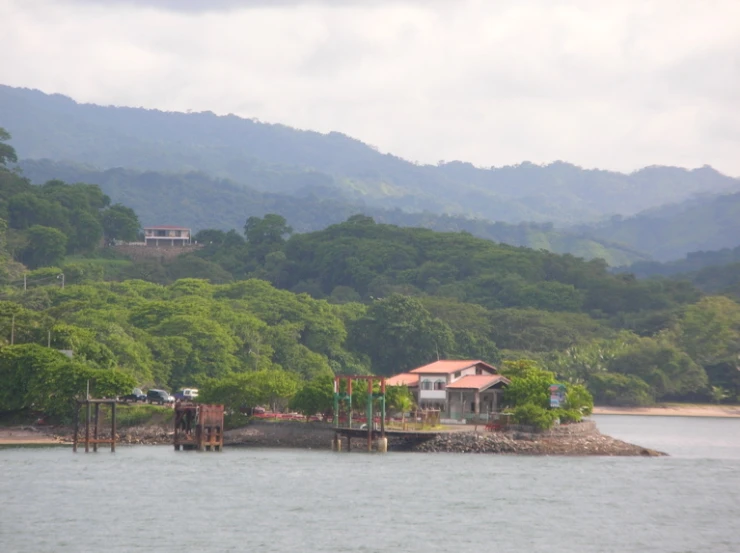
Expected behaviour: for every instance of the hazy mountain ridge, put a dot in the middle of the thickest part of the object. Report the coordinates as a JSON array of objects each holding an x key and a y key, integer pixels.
[
  {"x": 702, "y": 225},
  {"x": 199, "y": 201},
  {"x": 693, "y": 262},
  {"x": 244, "y": 150}
]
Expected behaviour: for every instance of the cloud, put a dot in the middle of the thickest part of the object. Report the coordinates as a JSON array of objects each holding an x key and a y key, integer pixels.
[{"x": 610, "y": 85}]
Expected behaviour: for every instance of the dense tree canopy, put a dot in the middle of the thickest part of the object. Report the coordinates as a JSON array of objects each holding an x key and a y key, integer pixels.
[
  {"x": 267, "y": 316},
  {"x": 46, "y": 223}
]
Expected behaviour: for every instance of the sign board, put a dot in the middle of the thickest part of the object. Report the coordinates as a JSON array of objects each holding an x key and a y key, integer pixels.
[{"x": 557, "y": 396}]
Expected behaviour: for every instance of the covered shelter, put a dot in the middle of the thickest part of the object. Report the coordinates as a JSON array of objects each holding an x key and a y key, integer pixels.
[{"x": 475, "y": 396}]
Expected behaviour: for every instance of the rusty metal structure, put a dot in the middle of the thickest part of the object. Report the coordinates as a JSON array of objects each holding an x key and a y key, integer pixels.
[
  {"x": 95, "y": 440},
  {"x": 344, "y": 398},
  {"x": 199, "y": 427}
]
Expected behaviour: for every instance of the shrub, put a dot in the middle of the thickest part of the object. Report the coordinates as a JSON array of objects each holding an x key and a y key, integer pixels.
[
  {"x": 534, "y": 415},
  {"x": 568, "y": 416},
  {"x": 137, "y": 415},
  {"x": 579, "y": 399},
  {"x": 235, "y": 419}
]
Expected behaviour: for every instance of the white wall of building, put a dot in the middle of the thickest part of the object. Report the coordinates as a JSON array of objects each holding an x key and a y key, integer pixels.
[{"x": 436, "y": 395}]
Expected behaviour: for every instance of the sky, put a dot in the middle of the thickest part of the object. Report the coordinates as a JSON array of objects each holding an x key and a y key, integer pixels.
[{"x": 614, "y": 85}]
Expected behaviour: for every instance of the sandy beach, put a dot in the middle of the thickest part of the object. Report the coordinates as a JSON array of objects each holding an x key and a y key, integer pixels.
[
  {"x": 24, "y": 435},
  {"x": 674, "y": 410}
]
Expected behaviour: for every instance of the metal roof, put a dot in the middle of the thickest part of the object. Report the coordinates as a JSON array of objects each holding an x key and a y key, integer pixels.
[
  {"x": 451, "y": 366},
  {"x": 166, "y": 227},
  {"x": 477, "y": 382},
  {"x": 403, "y": 379}
]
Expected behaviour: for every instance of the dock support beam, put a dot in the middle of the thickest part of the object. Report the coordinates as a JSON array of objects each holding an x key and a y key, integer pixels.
[
  {"x": 94, "y": 421},
  {"x": 96, "y": 427}
]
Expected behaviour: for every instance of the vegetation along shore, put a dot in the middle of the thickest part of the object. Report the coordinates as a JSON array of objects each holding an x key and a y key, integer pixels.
[{"x": 266, "y": 317}]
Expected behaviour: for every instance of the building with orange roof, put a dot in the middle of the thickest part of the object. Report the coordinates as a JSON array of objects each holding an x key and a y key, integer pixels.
[{"x": 461, "y": 389}]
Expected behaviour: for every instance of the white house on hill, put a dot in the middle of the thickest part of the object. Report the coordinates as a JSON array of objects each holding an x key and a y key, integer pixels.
[{"x": 167, "y": 235}]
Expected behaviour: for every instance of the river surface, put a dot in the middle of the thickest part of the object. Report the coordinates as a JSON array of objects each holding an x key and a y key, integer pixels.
[{"x": 153, "y": 499}]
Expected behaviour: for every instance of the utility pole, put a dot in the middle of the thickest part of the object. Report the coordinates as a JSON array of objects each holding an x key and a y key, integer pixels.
[
  {"x": 25, "y": 282},
  {"x": 48, "y": 342},
  {"x": 61, "y": 275},
  {"x": 12, "y": 331}
]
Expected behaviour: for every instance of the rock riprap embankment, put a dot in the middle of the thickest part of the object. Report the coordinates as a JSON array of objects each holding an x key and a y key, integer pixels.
[{"x": 530, "y": 444}]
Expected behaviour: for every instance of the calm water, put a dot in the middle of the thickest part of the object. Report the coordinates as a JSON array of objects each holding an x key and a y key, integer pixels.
[{"x": 154, "y": 499}]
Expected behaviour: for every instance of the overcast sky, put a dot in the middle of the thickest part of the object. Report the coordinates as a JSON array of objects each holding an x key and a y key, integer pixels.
[{"x": 617, "y": 84}]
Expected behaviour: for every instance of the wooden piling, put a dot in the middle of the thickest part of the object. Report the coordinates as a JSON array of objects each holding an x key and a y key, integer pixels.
[
  {"x": 113, "y": 429},
  {"x": 77, "y": 428},
  {"x": 96, "y": 427},
  {"x": 87, "y": 427}
]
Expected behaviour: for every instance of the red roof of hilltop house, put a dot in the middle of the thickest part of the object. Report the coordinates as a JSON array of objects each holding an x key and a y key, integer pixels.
[
  {"x": 447, "y": 367},
  {"x": 166, "y": 227},
  {"x": 477, "y": 382},
  {"x": 403, "y": 379}
]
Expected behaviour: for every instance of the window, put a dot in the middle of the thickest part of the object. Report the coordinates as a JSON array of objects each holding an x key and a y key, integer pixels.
[
  {"x": 439, "y": 385},
  {"x": 457, "y": 374},
  {"x": 478, "y": 370},
  {"x": 426, "y": 384}
]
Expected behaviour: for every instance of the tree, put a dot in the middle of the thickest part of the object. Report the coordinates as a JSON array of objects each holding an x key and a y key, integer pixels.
[
  {"x": 669, "y": 371},
  {"x": 315, "y": 396},
  {"x": 211, "y": 347},
  {"x": 533, "y": 388},
  {"x": 87, "y": 231},
  {"x": 120, "y": 223},
  {"x": 19, "y": 367},
  {"x": 398, "y": 334},
  {"x": 46, "y": 247},
  {"x": 267, "y": 234},
  {"x": 620, "y": 389},
  {"x": 7, "y": 152},
  {"x": 709, "y": 331},
  {"x": 235, "y": 391},
  {"x": 275, "y": 387},
  {"x": 399, "y": 399}
]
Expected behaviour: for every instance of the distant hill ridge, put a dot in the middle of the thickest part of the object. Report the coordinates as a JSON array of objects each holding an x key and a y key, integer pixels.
[
  {"x": 280, "y": 159},
  {"x": 672, "y": 232},
  {"x": 199, "y": 201}
]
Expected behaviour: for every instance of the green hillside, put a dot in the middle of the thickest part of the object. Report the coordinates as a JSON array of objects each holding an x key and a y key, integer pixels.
[
  {"x": 671, "y": 233},
  {"x": 198, "y": 201}
]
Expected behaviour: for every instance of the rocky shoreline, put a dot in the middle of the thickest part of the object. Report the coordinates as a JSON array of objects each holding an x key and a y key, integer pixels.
[
  {"x": 521, "y": 444},
  {"x": 577, "y": 440}
]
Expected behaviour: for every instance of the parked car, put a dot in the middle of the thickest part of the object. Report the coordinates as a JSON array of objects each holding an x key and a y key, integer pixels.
[
  {"x": 186, "y": 394},
  {"x": 159, "y": 396},
  {"x": 135, "y": 396},
  {"x": 252, "y": 411}
]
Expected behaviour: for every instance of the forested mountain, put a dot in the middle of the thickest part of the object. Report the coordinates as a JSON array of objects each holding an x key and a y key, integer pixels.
[
  {"x": 199, "y": 202},
  {"x": 276, "y": 158},
  {"x": 693, "y": 262},
  {"x": 672, "y": 232},
  {"x": 712, "y": 272},
  {"x": 295, "y": 308}
]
